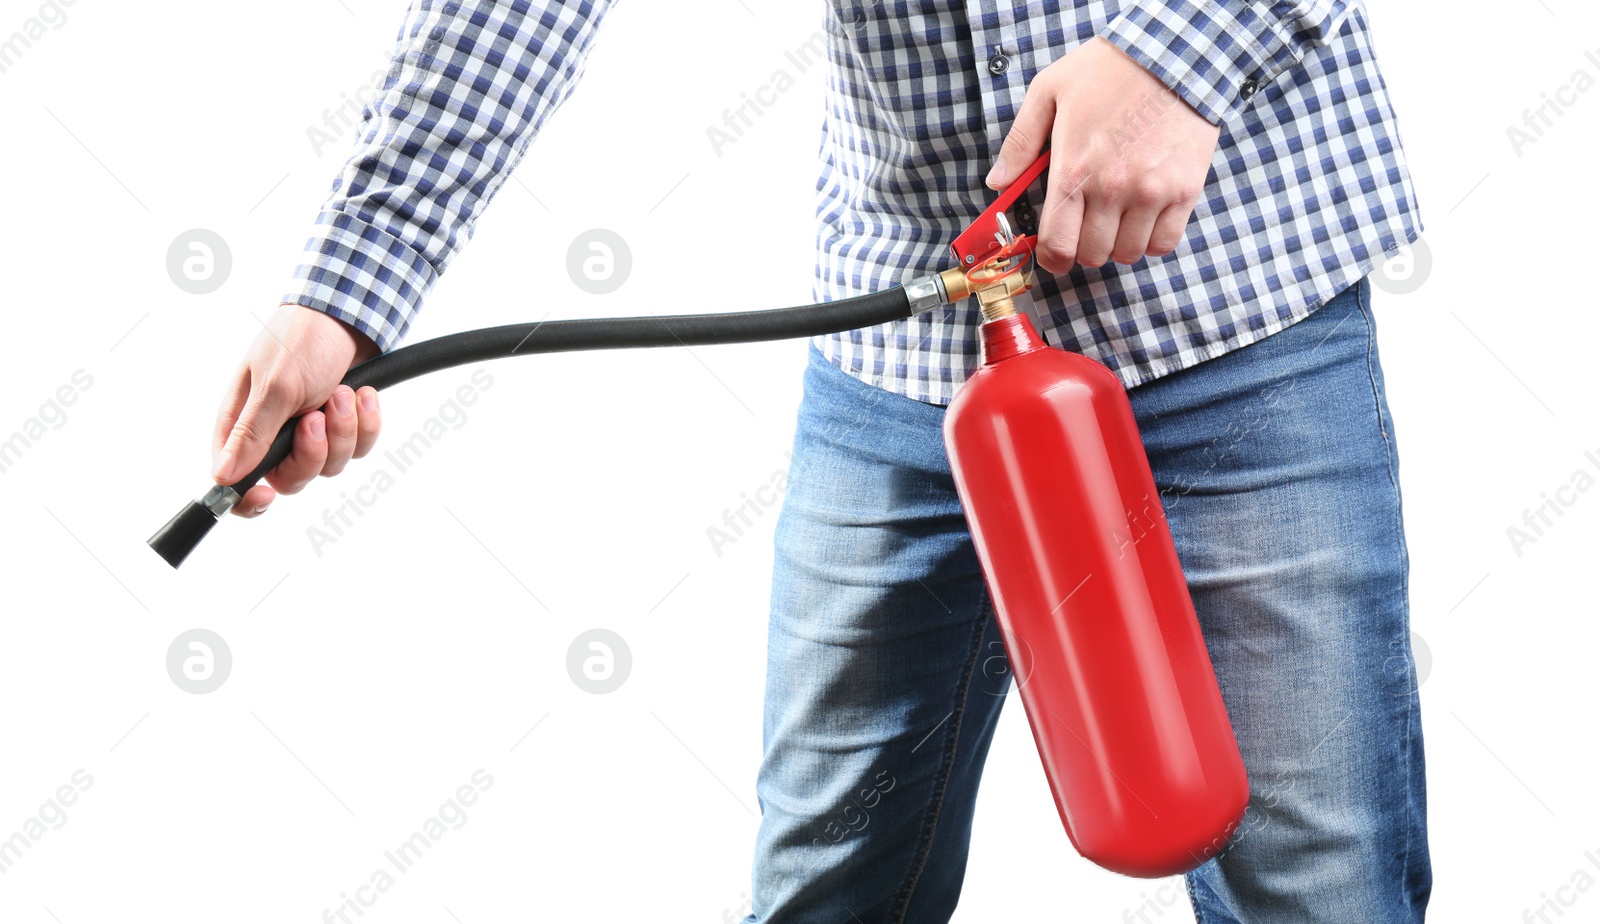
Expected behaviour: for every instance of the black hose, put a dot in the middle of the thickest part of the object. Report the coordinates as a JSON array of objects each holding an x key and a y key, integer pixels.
[{"x": 178, "y": 538}]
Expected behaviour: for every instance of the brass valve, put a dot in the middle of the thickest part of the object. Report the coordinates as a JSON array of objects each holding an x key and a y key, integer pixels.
[{"x": 995, "y": 298}]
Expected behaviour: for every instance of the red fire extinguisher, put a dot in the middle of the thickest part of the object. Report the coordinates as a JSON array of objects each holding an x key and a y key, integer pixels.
[{"x": 1088, "y": 590}]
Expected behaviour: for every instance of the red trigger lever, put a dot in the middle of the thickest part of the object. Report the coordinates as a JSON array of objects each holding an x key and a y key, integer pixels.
[{"x": 990, "y": 238}]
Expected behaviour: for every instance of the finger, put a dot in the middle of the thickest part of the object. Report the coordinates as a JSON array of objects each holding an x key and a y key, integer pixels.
[
  {"x": 305, "y": 461},
  {"x": 1061, "y": 221},
  {"x": 1059, "y": 231},
  {"x": 254, "y": 502},
  {"x": 340, "y": 414},
  {"x": 233, "y": 401},
  {"x": 368, "y": 420},
  {"x": 1133, "y": 236},
  {"x": 1027, "y": 136},
  {"x": 1168, "y": 231},
  {"x": 1101, "y": 219},
  {"x": 263, "y": 415}
]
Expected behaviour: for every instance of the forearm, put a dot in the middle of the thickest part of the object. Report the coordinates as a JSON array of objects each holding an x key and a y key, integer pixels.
[{"x": 469, "y": 87}]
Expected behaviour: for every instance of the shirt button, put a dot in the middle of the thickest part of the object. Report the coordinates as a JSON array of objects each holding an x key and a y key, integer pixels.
[
  {"x": 1248, "y": 88},
  {"x": 998, "y": 62}
]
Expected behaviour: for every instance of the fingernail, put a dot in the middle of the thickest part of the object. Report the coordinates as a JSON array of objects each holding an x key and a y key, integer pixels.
[
  {"x": 319, "y": 426},
  {"x": 260, "y": 510},
  {"x": 341, "y": 402},
  {"x": 997, "y": 173},
  {"x": 224, "y": 463},
  {"x": 369, "y": 401}
]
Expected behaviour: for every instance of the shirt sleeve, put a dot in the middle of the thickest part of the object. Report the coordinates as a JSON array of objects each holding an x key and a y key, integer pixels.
[
  {"x": 470, "y": 84},
  {"x": 1217, "y": 55}
]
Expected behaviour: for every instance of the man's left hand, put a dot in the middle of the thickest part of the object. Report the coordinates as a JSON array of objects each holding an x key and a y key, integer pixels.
[{"x": 1128, "y": 158}]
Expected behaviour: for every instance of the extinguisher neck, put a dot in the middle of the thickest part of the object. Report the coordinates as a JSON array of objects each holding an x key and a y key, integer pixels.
[{"x": 1009, "y": 336}]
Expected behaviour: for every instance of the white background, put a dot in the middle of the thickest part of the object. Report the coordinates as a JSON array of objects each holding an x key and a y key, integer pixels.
[{"x": 371, "y": 681}]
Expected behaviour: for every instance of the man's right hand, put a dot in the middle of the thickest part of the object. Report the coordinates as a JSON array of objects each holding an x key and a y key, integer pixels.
[{"x": 294, "y": 368}]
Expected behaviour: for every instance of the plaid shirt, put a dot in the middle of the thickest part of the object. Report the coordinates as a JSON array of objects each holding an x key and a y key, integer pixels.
[{"x": 1308, "y": 188}]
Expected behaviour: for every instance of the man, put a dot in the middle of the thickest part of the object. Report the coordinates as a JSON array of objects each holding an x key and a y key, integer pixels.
[{"x": 1223, "y": 177}]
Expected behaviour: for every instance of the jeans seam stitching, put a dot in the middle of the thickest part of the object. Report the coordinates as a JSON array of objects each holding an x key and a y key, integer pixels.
[
  {"x": 1372, "y": 379},
  {"x": 1405, "y": 578},
  {"x": 952, "y": 741},
  {"x": 1191, "y": 882}
]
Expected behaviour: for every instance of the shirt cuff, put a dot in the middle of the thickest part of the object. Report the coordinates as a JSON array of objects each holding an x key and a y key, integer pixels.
[
  {"x": 1214, "y": 55},
  {"x": 362, "y": 275}
]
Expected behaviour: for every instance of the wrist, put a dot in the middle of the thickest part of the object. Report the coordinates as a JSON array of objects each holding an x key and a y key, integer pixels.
[{"x": 362, "y": 347}]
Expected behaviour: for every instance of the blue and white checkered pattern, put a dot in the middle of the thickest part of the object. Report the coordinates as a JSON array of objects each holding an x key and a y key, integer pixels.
[
  {"x": 470, "y": 85},
  {"x": 1308, "y": 190}
]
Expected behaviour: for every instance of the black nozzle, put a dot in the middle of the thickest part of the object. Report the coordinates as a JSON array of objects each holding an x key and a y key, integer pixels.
[{"x": 182, "y": 533}]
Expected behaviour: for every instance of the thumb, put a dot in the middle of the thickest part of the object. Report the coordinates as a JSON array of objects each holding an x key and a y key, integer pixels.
[
  {"x": 259, "y": 421},
  {"x": 1029, "y": 132}
]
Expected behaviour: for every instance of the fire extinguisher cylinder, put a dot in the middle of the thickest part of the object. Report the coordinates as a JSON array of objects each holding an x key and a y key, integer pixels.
[{"x": 1090, "y": 596}]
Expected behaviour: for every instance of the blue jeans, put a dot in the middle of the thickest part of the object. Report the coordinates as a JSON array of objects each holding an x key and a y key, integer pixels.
[{"x": 886, "y": 673}]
